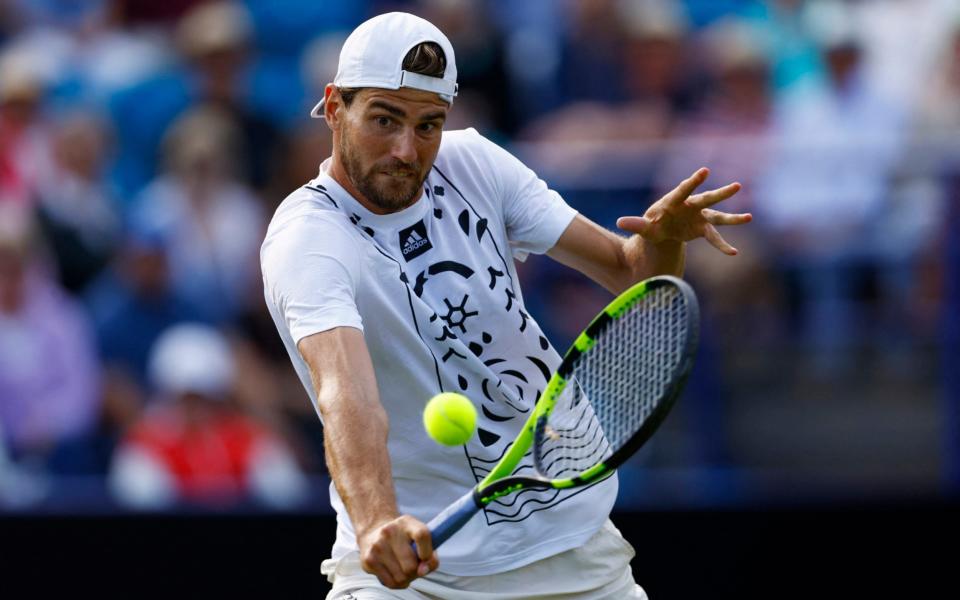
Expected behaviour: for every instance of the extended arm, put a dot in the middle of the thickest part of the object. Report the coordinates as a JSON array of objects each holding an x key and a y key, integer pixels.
[
  {"x": 660, "y": 235},
  {"x": 355, "y": 428}
]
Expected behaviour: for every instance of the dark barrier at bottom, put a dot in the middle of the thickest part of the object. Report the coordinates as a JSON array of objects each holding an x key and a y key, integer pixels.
[{"x": 826, "y": 553}]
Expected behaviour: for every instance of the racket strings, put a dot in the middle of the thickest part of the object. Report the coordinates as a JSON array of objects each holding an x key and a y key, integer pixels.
[
  {"x": 562, "y": 450},
  {"x": 624, "y": 377}
]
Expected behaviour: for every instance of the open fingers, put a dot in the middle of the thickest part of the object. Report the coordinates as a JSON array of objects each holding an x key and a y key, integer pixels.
[
  {"x": 711, "y": 197},
  {"x": 715, "y": 217},
  {"x": 716, "y": 240},
  {"x": 686, "y": 187},
  {"x": 634, "y": 224}
]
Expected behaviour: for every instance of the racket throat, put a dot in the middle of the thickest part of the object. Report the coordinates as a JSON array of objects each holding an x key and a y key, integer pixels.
[{"x": 483, "y": 500}]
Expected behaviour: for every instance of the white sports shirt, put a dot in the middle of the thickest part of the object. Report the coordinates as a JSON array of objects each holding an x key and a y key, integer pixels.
[{"x": 435, "y": 292}]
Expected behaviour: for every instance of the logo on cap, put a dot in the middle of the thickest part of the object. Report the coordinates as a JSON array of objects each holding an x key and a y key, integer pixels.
[{"x": 414, "y": 241}]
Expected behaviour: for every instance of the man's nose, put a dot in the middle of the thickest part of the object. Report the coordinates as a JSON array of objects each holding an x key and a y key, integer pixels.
[{"x": 405, "y": 146}]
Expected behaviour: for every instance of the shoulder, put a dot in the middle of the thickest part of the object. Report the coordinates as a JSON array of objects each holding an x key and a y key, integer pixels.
[
  {"x": 461, "y": 139},
  {"x": 308, "y": 221},
  {"x": 308, "y": 210},
  {"x": 467, "y": 154},
  {"x": 467, "y": 143}
]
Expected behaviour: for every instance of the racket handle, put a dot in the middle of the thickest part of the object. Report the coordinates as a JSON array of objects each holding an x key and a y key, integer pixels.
[{"x": 452, "y": 518}]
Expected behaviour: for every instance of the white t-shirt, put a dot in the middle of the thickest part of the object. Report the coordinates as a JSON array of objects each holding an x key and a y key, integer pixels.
[{"x": 434, "y": 289}]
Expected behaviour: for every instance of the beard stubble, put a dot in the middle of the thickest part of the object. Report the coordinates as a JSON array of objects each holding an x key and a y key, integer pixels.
[{"x": 385, "y": 197}]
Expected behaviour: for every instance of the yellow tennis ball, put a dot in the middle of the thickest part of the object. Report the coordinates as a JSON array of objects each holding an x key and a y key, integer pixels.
[{"x": 450, "y": 419}]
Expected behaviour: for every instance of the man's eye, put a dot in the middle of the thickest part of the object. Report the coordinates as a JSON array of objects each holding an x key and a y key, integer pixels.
[
  {"x": 383, "y": 121},
  {"x": 427, "y": 127}
]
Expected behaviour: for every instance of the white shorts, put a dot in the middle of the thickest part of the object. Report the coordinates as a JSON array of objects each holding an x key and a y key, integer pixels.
[{"x": 597, "y": 570}]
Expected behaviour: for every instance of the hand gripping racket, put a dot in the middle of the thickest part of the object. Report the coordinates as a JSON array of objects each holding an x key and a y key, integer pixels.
[{"x": 613, "y": 389}]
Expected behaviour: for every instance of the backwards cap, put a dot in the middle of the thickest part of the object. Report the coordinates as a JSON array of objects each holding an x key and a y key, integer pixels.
[{"x": 373, "y": 57}]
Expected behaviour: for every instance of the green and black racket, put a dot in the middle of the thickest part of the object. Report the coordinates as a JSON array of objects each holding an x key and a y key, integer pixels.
[{"x": 613, "y": 389}]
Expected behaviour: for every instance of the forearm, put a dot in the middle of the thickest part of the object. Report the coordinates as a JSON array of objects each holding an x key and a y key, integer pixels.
[
  {"x": 355, "y": 429},
  {"x": 355, "y": 425},
  {"x": 355, "y": 443}
]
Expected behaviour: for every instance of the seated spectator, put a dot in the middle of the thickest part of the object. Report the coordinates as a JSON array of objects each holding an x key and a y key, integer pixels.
[
  {"x": 77, "y": 208},
  {"x": 209, "y": 222},
  {"x": 728, "y": 128},
  {"x": 24, "y": 139},
  {"x": 49, "y": 388},
  {"x": 132, "y": 303},
  {"x": 214, "y": 43},
  {"x": 194, "y": 447},
  {"x": 582, "y": 138},
  {"x": 837, "y": 142},
  {"x": 827, "y": 196},
  {"x": 593, "y": 56}
]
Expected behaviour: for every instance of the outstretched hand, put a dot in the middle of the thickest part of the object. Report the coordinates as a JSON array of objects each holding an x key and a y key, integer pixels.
[{"x": 681, "y": 217}]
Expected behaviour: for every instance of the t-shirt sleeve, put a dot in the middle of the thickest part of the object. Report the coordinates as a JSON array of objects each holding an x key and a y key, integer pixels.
[
  {"x": 535, "y": 215},
  {"x": 308, "y": 277}
]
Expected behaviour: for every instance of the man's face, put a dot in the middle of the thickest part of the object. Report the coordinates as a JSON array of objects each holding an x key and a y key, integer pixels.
[{"x": 385, "y": 144}]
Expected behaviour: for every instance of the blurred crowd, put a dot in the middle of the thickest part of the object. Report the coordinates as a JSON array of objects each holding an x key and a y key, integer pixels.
[{"x": 144, "y": 146}]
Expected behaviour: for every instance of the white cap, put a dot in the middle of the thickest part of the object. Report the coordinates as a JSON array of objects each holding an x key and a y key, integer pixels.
[
  {"x": 373, "y": 57},
  {"x": 191, "y": 357}
]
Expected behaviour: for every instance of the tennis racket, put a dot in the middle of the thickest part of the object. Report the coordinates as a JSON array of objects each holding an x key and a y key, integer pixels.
[{"x": 614, "y": 387}]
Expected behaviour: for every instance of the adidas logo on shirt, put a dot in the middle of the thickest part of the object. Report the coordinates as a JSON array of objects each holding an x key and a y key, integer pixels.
[{"x": 414, "y": 241}]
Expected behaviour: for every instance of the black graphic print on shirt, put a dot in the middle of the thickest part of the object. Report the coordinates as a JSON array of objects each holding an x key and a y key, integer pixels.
[
  {"x": 466, "y": 309},
  {"x": 467, "y": 291}
]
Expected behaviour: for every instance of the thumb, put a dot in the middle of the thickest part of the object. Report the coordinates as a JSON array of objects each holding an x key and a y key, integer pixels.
[{"x": 634, "y": 224}]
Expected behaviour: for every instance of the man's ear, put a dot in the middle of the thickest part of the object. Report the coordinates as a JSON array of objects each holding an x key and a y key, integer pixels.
[{"x": 332, "y": 106}]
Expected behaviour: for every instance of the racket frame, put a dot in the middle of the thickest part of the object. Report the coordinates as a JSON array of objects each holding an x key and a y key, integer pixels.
[{"x": 499, "y": 482}]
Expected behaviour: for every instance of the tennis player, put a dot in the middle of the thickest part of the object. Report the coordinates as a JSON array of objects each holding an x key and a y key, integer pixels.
[{"x": 391, "y": 278}]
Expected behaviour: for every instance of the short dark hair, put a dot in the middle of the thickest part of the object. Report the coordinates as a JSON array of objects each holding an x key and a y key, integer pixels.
[{"x": 426, "y": 58}]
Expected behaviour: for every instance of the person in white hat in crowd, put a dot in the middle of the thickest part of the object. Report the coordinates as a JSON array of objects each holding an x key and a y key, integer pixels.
[
  {"x": 193, "y": 446},
  {"x": 391, "y": 278}
]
